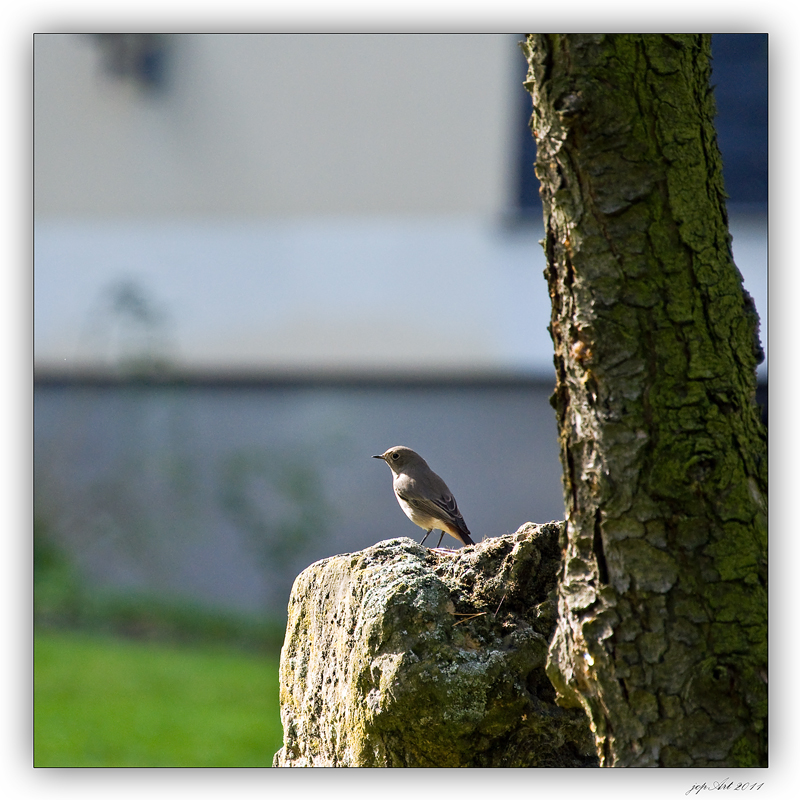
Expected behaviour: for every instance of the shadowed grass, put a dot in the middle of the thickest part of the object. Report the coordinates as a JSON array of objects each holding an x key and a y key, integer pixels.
[{"x": 106, "y": 702}]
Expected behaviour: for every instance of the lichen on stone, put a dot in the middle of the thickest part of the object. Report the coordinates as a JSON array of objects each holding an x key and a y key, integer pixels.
[{"x": 403, "y": 656}]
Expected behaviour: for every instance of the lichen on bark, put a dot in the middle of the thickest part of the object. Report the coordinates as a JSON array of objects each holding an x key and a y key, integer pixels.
[{"x": 662, "y": 605}]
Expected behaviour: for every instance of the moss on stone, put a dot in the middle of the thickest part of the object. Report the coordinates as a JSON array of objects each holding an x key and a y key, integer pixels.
[{"x": 403, "y": 656}]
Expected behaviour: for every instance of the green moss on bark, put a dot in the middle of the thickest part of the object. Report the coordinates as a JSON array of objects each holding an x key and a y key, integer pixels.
[{"x": 663, "y": 451}]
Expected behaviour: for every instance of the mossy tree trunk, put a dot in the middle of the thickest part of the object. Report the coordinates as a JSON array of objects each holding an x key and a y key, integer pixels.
[{"x": 662, "y": 634}]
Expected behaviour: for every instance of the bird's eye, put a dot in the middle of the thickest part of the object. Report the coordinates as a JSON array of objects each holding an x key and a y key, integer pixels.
[{"x": 395, "y": 456}]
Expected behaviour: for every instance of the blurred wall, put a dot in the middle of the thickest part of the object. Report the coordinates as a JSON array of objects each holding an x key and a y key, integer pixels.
[{"x": 255, "y": 125}]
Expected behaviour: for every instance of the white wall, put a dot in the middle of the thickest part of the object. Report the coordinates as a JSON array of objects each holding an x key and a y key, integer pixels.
[{"x": 254, "y": 125}]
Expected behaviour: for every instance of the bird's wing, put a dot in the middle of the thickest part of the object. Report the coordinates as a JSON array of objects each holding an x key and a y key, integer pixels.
[{"x": 441, "y": 507}]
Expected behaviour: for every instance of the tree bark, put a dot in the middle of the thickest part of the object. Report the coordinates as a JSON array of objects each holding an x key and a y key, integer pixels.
[{"x": 662, "y": 633}]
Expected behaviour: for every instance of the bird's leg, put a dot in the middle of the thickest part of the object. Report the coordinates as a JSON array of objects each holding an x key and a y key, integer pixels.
[
  {"x": 427, "y": 534},
  {"x": 440, "y": 540}
]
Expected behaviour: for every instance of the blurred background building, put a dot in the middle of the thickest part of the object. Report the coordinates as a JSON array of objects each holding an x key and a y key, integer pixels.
[{"x": 261, "y": 259}]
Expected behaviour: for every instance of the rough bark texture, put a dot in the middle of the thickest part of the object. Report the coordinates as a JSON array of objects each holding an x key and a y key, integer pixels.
[
  {"x": 402, "y": 656},
  {"x": 662, "y": 634}
]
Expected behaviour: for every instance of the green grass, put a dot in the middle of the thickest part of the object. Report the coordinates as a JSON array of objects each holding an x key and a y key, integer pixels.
[{"x": 107, "y": 702}]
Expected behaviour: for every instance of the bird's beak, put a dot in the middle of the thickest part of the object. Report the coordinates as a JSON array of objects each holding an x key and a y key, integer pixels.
[{"x": 377, "y": 456}]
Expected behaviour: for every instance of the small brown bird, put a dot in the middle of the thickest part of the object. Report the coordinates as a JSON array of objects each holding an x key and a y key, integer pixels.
[{"x": 424, "y": 496}]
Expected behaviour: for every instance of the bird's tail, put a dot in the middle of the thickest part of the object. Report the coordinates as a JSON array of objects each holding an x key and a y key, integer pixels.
[{"x": 463, "y": 534}]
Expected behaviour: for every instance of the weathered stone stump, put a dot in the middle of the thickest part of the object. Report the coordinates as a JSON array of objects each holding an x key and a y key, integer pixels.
[{"x": 402, "y": 656}]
